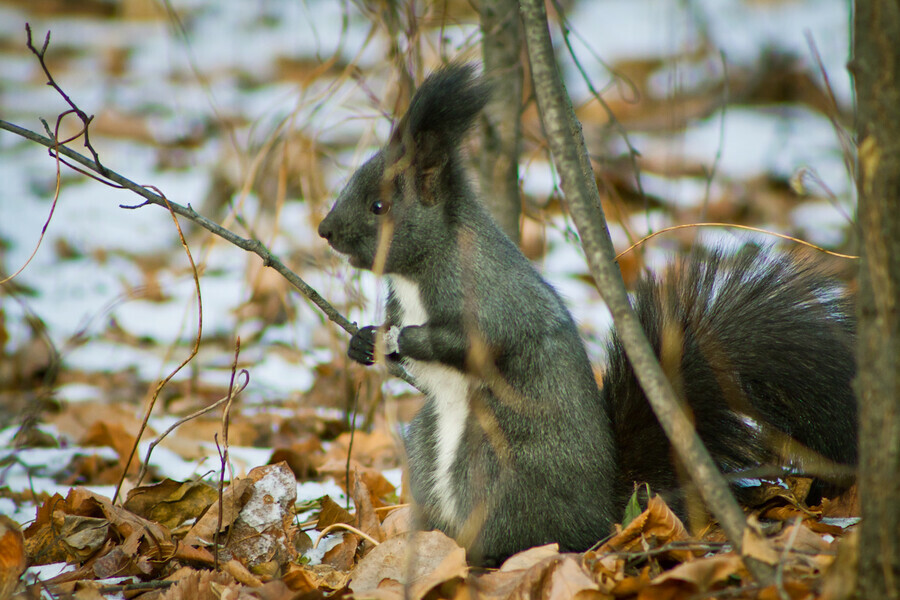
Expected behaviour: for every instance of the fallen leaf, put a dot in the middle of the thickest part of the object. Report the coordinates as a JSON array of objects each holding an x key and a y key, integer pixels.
[
  {"x": 203, "y": 585},
  {"x": 397, "y": 522},
  {"x": 328, "y": 578},
  {"x": 203, "y": 532},
  {"x": 332, "y": 513},
  {"x": 241, "y": 574},
  {"x": 379, "y": 487},
  {"x": 755, "y": 544},
  {"x": 12, "y": 556},
  {"x": 377, "y": 449},
  {"x": 704, "y": 574},
  {"x": 845, "y": 505},
  {"x": 421, "y": 561},
  {"x": 171, "y": 502},
  {"x": 343, "y": 555},
  {"x": 105, "y": 433},
  {"x": 528, "y": 558},
  {"x": 263, "y": 530},
  {"x": 366, "y": 519},
  {"x": 799, "y": 538},
  {"x": 556, "y": 577},
  {"x": 795, "y": 590},
  {"x": 299, "y": 579},
  {"x": 656, "y": 526}
]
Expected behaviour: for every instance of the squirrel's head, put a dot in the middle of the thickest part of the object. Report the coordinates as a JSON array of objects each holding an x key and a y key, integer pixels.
[{"x": 394, "y": 209}]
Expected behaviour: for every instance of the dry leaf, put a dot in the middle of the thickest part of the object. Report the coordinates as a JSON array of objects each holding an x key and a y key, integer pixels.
[
  {"x": 203, "y": 585},
  {"x": 376, "y": 450},
  {"x": 379, "y": 487},
  {"x": 233, "y": 498},
  {"x": 557, "y": 577},
  {"x": 263, "y": 530},
  {"x": 299, "y": 579},
  {"x": 570, "y": 580},
  {"x": 171, "y": 503},
  {"x": 703, "y": 574},
  {"x": 332, "y": 513},
  {"x": 421, "y": 561},
  {"x": 241, "y": 574},
  {"x": 343, "y": 555},
  {"x": 302, "y": 457},
  {"x": 397, "y": 522},
  {"x": 86, "y": 525},
  {"x": 326, "y": 577},
  {"x": 528, "y": 558},
  {"x": 77, "y": 418},
  {"x": 845, "y": 505},
  {"x": 793, "y": 589},
  {"x": 799, "y": 538},
  {"x": 656, "y": 526},
  {"x": 12, "y": 556},
  {"x": 366, "y": 519},
  {"x": 755, "y": 544},
  {"x": 105, "y": 433}
]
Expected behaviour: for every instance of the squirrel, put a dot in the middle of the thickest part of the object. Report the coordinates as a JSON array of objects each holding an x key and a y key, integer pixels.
[{"x": 516, "y": 445}]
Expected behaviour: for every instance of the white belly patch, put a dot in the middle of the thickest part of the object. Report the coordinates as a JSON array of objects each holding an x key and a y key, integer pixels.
[{"x": 448, "y": 389}]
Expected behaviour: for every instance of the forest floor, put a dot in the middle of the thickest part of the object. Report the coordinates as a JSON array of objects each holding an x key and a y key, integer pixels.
[{"x": 254, "y": 113}]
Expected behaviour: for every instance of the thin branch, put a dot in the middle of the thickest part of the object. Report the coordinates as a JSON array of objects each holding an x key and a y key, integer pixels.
[
  {"x": 190, "y": 357},
  {"x": 190, "y": 417},
  {"x": 250, "y": 245},
  {"x": 351, "y": 528},
  {"x": 733, "y": 226},
  {"x": 85, "y": 119},
  {"x": 711, "y": 174},
  {"x": 226, "y": 418}
]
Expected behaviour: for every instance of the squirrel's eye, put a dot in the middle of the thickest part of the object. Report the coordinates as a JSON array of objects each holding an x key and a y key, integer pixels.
[{"x": 380, "y": 207}]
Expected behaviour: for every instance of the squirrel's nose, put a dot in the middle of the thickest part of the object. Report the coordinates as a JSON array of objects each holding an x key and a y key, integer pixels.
[{"x": 325, "y": 230}]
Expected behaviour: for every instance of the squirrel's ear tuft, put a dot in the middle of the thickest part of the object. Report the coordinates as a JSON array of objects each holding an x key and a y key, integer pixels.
[
  {"x": 440, "y": 113},
  {"x": 447, "y": 103}
]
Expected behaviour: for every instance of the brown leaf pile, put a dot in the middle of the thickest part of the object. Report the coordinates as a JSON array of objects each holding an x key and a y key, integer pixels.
[{"x": 180, "y": 540}]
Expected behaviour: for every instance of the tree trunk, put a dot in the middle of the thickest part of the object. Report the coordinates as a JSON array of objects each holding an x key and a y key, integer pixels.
[
  {"x": 876, "y": 71},
  {"x": 501, "y": 43}
]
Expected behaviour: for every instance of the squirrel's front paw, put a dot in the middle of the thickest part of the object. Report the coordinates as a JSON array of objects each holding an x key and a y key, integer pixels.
[{"x": 362, "y": 345}]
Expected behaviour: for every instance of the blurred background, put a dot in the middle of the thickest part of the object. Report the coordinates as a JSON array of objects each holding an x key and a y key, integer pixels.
[{"x": 255, "y": 112}]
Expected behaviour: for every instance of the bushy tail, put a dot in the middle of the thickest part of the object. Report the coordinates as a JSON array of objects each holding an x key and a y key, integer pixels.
[{"x": 760, "y": 346}]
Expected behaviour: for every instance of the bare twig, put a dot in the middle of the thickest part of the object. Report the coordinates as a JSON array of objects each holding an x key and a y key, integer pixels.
[
  {"x": 191, "y": 417},
  {"x": 153, "y": 196},
  {"x": 732, "y": 226},
  {"x": 779, "y": 570},
  {"x": 711, "y": 174},
  {"x": 85, "y": 119},
  {"x": 845, "y": 138},
  {"x": 194, "y": 350},
  {"x": 159, "y": 584},
  {"x": 334, "y": 526},
  {"x": 223, "y": 452},
  {"x": 250, "y": 245},
  {"x": 350, "y": 444}
]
